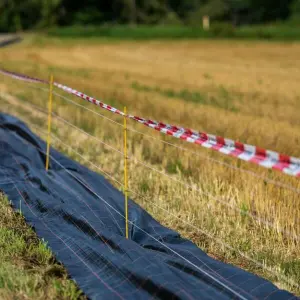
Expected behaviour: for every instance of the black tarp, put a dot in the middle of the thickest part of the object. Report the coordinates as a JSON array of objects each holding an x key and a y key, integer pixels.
[{"x": 79, "y": 213}]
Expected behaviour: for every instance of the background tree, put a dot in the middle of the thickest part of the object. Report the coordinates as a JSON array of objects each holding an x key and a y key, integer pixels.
[
  {"x": 237, "y": 10},
  {"x": 295, "y": 10},
  {"x": 215, "y": 9},
  {"x": 16, "y": 15}
]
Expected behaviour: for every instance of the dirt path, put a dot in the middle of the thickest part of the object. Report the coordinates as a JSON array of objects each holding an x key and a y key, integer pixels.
[{"x": 8, "y": 39}]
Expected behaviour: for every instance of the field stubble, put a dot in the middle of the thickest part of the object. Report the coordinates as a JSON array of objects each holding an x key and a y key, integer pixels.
[{"x": 244, "y": 91}]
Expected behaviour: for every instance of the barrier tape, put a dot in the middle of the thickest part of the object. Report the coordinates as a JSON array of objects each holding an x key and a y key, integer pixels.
[
  {"x": 265, "y": 158},
  {"x": 22, "y": 77}
]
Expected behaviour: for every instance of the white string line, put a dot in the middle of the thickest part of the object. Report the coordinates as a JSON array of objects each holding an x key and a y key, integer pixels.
[
  {"x": 80, "y": 155},
  {"x": 252, "y": 173},
  {"x": 267, "y": 179},
  {"x": 170, "y": 249},
  {"x": 262, "y": 266},
  {"x": 65, "y": 186},
  {"x": 26, "y": 175},
  {"x": 80, "y": 199},
  {"x": 77, "y": 196},
  {"x": 218, "y": 199},
  {"x": 75, "y": 127},
  {"x": 266, "y": 268},
  {"x": 69, "y": 147},
  {"x": 111, "y": 189},
  {"x": 100, "y": 170},
  {"x": 187, "y": 150},
  {"x": 120, "y": 271},
  {"x": 77, "y": 104},
  {"x": 203, "y": 232},
  {"x": 82, "y": 131},
  {"x": 64, "y": 241},
  {"x": 267, "y": 223},
  {"x": 96, "y": 166}
]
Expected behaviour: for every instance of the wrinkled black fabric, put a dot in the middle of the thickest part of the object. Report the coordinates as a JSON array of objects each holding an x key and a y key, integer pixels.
[{"x": 86, "y": 234}]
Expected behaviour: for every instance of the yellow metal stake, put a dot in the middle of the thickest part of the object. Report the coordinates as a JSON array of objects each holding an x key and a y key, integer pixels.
[
  {"x": 125, "y": 172},
  {"x": 49, "y": 121}
]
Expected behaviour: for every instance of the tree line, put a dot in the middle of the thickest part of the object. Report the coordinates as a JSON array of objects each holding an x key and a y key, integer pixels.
[{"x": 18, "y": 15}]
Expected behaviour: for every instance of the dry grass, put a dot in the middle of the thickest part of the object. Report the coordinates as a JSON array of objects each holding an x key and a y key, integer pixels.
[
  {"x": 28, "y": 269},
  {"x": 245, "y": 91}
]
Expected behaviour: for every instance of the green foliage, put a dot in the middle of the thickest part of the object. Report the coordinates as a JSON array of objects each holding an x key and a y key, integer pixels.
[
  {"x": 278, "y": 32},
  {"x": 49, "y": 10},
  {"x": 18, "y": 15},
  {"x": 87, "y": 16},
  {"x": 291, "y": 267},
  {"x": 171, "y": 19},
  {"x": 174, "y": 167},
  {"x": 144, "y": 187},
  {"x": 140, "y": 32},
  {"x": 271, "y": 32},
  {"x": 295, "y": 11},
  {"x": 223, "y": 30},
  {"x": 213, "y": 8}
]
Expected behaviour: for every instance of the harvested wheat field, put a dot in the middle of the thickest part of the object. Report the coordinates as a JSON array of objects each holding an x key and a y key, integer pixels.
[{"x": 247, "y": 91}]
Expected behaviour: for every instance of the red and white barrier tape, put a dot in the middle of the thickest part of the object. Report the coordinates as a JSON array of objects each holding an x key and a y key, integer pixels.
[
  {"x": 89, "y": 99},
  {"x": 22, "y": 77},
  {"x": 265, "y": 158}
]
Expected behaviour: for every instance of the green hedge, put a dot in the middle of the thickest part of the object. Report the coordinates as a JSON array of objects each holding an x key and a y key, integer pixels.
[{"x": 218, "y": 30}]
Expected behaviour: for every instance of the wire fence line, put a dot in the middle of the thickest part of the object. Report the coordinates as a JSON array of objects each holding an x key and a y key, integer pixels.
[
  {"x": 223, "y": 201},
  {"x": 264, "y": 267},
  {"x": 77, "y": 153},
  {"x": 67, "y": 245},
  {"x": 79, "y": 198},
  {"x": 139, "y": 195},
  {"x": 211, "y": 274},
  {"x": 76, "y": 104},
  {"x": 209, "y": 235},
  {"x": 203, "y": 156}
]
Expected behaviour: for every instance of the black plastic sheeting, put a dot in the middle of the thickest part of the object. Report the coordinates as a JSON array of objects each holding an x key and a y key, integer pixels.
[{"x": 80, "y": 214}]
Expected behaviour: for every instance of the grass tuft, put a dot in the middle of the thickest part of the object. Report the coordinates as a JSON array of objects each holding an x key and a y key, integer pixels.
[{"x": 28, "y": 269}]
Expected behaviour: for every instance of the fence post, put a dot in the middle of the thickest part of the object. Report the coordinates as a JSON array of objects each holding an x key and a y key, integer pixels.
[
  {"x": 49, "y": 120},
  {"x": 125, "y": 172}
]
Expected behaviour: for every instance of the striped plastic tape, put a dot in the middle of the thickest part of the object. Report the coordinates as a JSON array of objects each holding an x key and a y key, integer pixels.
[
  {"x": 265, "y": 158},
  {"x": 22, "y": 77}
]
